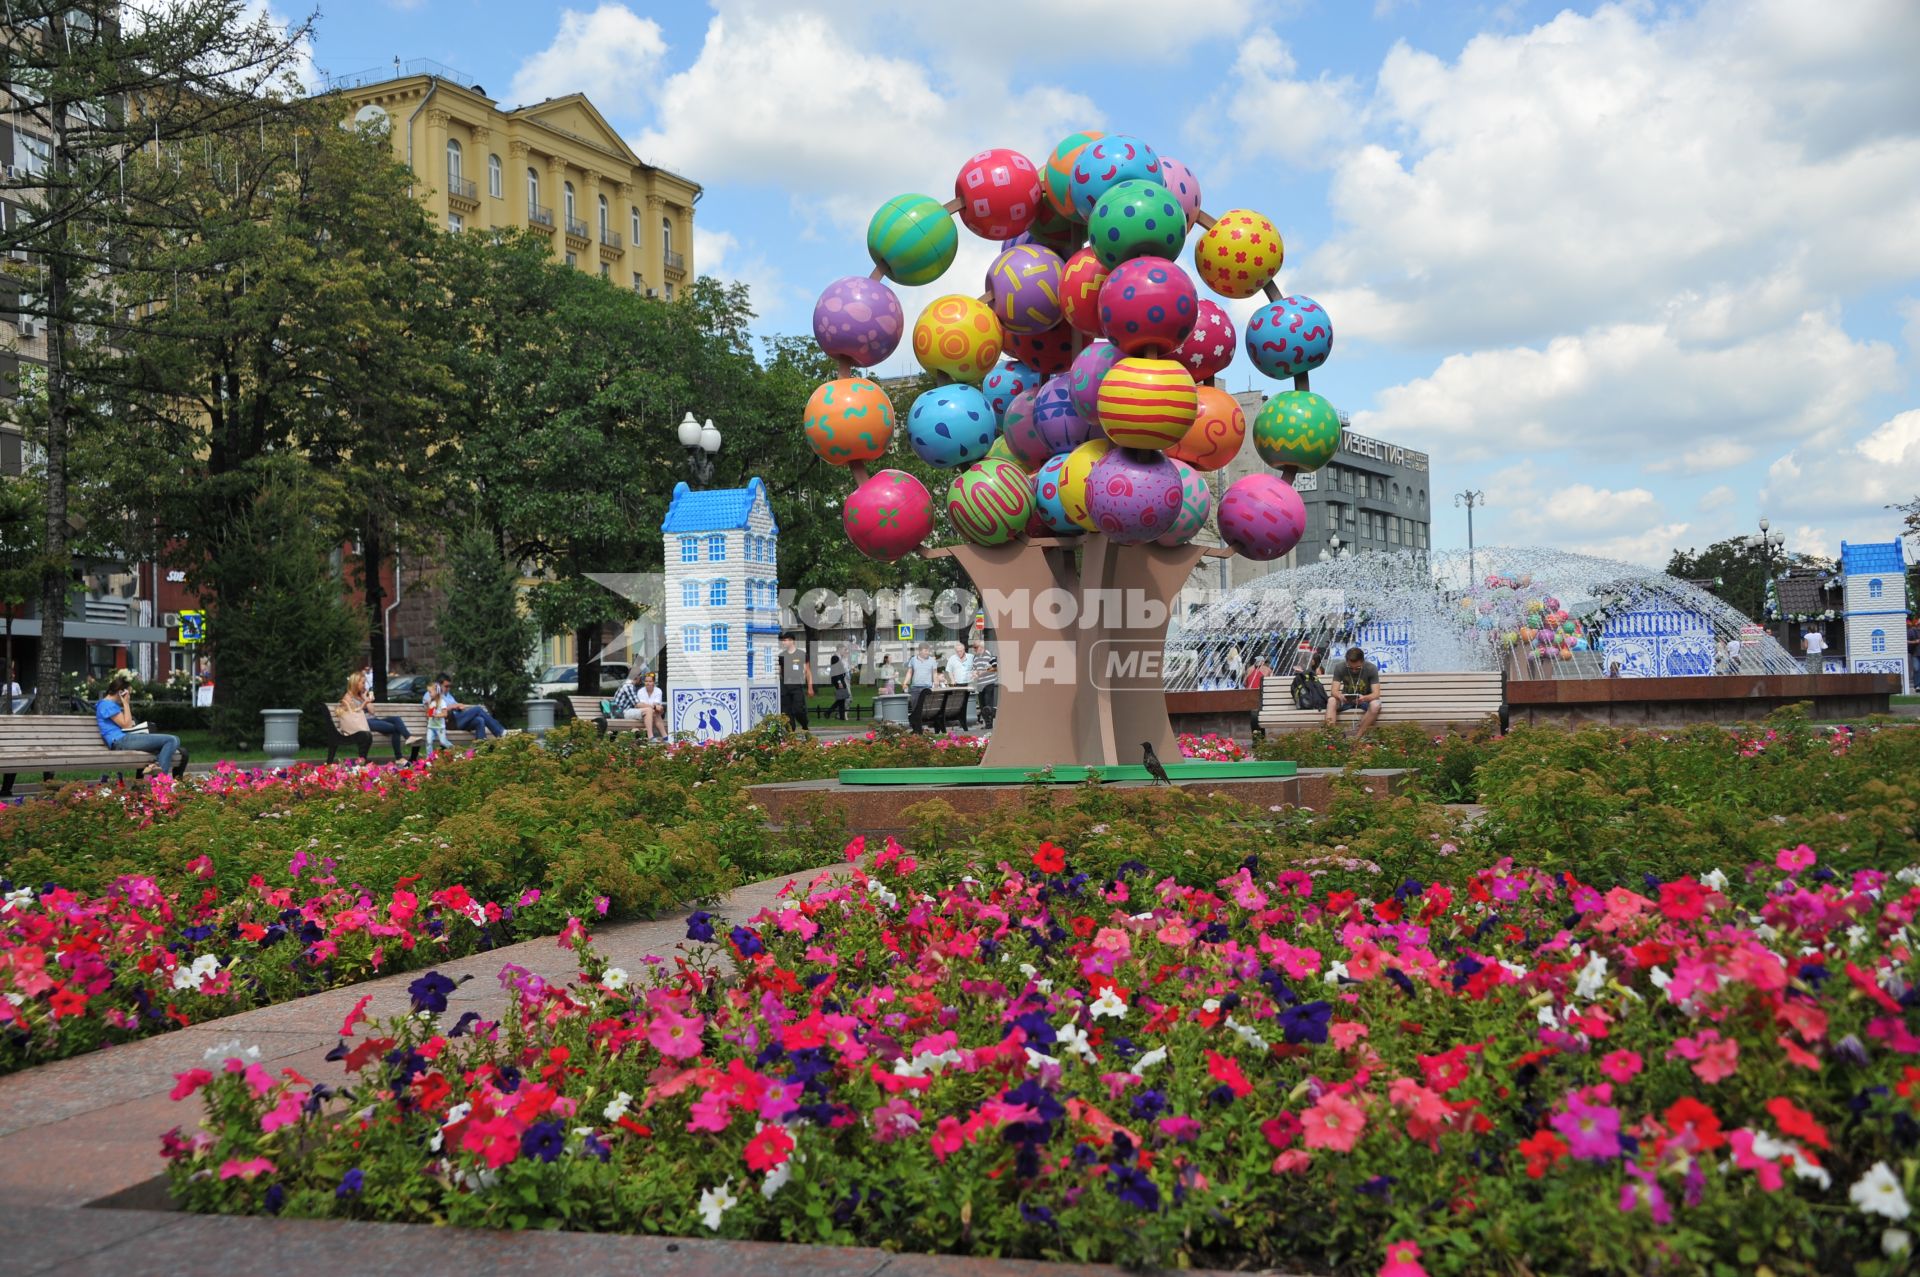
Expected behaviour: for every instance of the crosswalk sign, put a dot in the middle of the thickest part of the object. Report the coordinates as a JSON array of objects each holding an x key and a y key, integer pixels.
[
  {"x": 193, "y": 627},
  {"x": 903, "y": 633}
]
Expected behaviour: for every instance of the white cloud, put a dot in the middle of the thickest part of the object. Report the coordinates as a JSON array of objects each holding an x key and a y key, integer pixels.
[
  {"x": 611, "y": 54},
  {"x": 726, "y": 258},
  {"x": 1850, "y": 486},
  {"x": 1910, "y": 311},
  {"x": 1585, "y": 509},
  {"x": 1708, "y": 455},
  {"x": 1272, "y": 114},
  {"x": 1649, "y": 547},
  {"x": 1715, "y": 498},
  {"x": 985, "y": 34}
]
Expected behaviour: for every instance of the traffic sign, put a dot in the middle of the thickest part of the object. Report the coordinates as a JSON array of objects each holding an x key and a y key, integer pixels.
[
  {"x": 903, "y": 633},
  {"x": 193, "y": 627}
]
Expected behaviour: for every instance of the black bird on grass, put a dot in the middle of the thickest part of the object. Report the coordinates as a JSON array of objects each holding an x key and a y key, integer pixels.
[{"x": 1151, "y": 761}]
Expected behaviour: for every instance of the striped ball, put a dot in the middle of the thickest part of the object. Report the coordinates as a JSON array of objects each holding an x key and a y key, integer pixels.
[
  {"x": 1147, "y": 403},
  {"x": 912, "y": 239}
]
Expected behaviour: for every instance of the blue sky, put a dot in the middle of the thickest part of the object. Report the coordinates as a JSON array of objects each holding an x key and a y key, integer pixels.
[{"x": 1642, "y": 272}]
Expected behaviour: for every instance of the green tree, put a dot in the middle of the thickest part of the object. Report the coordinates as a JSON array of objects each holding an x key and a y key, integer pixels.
[
  {"x": 1739, "y": 574},
  {"x": 486, "y": 641},
  {"x": 21, "y": 506}
]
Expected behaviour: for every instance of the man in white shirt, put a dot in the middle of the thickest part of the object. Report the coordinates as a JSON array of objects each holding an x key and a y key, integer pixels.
[
  {"x": 1814, "y": 644},
  {"x": 959, "y": 666}
]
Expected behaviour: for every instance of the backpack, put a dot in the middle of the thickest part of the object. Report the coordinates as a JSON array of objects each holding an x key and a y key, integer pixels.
[{"x": 1308, "y": 693}]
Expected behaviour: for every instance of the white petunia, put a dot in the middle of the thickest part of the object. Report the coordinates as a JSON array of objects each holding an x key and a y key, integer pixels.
[
  {"x": 1593, "y": 978},
  {"x": 1156, "y": 1056},
  {"x": 716, "y": 1202},
  {"x": 1109, "y": 1004},
  {"x": 615, "y": 978},
  {"x": 617, "y": 1107},
  {"x": 1247, "y": 1034},
  {"x": 1073, "y": 1039},
  {"x": 231, "y": 1048},
  {"x": 18, "y": 898},
  {"x": 1878, "y": 1192},
  {"x": 1714, "y": 879},
  {"x": 1895, "y": 1242},
  {"x": 195, "y": 977},
  {"x": 1548, "y": 1016},
  {"x": 1335, "y": 973},
  {"x": 1038, "y": 1059}
]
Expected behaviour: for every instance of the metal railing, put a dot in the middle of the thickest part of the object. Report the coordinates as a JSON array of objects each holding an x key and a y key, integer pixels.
[
  {"x": 576, "y": 228},
  {"x": 675, "y": 261},
  {"x": 398, "y": 71},
  {"x": 461, "y": 187},
  {"x": 610, "y": 238},
  {"x": 540, "y": 215}
]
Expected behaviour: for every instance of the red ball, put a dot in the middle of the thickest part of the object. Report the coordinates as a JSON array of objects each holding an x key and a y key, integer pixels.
[
  {"x": 1050, "y": 351},
  {"x": 1148, "y": 307},
  {"x": 999, "y": 193},
  {"x": 1080, "y": 286},
  {"x": 1209, "y": 347}
]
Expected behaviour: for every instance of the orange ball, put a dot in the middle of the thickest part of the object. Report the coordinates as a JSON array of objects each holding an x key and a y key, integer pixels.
[
  {"x": 849, "y": 419},
  {"x": 1240, "y": 254},
  {"x": 1147, "y": 403},
  {"x": 1219, "y": 428}
]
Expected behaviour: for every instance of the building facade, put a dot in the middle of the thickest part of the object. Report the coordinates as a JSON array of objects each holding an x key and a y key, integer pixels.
[
  {"x": 1874, "y": 601},
  {"x": 555, "y": 167},
  {"x": 722, "y": 610}
]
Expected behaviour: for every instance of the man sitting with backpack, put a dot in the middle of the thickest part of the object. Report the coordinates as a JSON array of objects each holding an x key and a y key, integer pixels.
[
  {"x": 1306, "y": 690},
  {"x": 1356, "y": 682}
]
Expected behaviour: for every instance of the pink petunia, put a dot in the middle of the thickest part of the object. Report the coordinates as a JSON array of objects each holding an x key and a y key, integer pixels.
[
  {"x": 1403, "y": 1260},
  {"x": 1622, "y": 1066},
  {"x": 676, "y": 1036},
  {"x": 233, "y": 1168},
  {"x": 1794, "y": 859},
  {"x": 185, "y": 1084},
  {"x": 1714, "y": 1058},
  {"x": 1592, "y": 1130},
  {"x": 1335, "y": 1122}
]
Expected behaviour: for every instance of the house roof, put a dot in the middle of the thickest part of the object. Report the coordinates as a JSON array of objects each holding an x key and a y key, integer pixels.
[
  {"x": 1801, "y": 593},
  {"x": 715, "y": 510},
  {"x": 1874, "y": 556}
]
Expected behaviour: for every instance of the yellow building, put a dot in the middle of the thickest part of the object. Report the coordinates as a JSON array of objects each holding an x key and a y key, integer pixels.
[{"x": 556, "y": 167}]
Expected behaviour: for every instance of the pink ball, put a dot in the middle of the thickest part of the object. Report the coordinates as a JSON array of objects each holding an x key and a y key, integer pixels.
[
  {"x": 1089, "y": 367},
  {"x": 1148, "y": 307},
  {"x": 1050, "y": 351},
  {"x": 1196, "y": 503},
  {"x": 1024, "y": 286},
  {"x": 1185, "y": 186},
  {"x": 1209, "y": 347},
  {"x": 888, "y": 516},
  {"x": 999, "y": 193},
  {"x": 1134, "y": 496},
  {"x": 1022, "y": 432},
  {"x": 1262, "y": 517}
]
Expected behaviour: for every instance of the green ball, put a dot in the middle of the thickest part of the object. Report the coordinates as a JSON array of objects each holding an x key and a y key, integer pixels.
[
  {"x": 1136, "y": 218},
  {"x": 1296, "y": 428},
  {"x": 912, "y": 239}
]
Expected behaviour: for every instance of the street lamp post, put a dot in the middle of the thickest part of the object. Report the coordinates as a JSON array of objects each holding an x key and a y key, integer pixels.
[
  {"x": 1764, "y": 544},
  {"x": 702, "y": 444},
  {"x": 1334, "y": 549},
  {"x": 1469, "y": 499}
]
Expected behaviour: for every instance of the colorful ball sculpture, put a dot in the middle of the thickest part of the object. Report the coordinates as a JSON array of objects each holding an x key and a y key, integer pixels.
[
  {"x": 1289, "y": 337},
  {"x": 1109, "y": 161},
  {"x": 1024, "y": 284},
  {"x": 1148, "y": 306},
  {"x": 990, "y": 502},
  {"x": 1184, "y": 185},
  {"x": 1006, "y": 381},
  {"x": 1262, "y": 517},
  {"x": 1022, "y": 432},
  {"x": 1219, "y": 428},
  {"x": 1049, "y": 497},
  {"x": 849, "y": 420},
  {"x": 957, "y": 336},
  {"x": 1147, "y": 403},
  {"x": 888, "y": 516},
  {"x": 1133, "y": 497},
  {"x": 1062, "y": 234},
  {"x": 1136, "y": 218},
  {"x": 1048, "y": 352},
  {"x": 951, "y": 425},
  {"x": 1196, "y": 503},
  {"x": 1080, "y": 285},
  {"x": 1058, "y": 422},
  {"x": 1090, "y": 368},
  {"x": 1208, "y": 349},
  {"x": 912, "y": 240},
  {"x": 1074, "y": 473},
  {"x": 1239, "y": 255},
  {"x": 859, "y": 320},
  {"x": 1059, "y": 174},
  {"x": 999, "y": 193},
  {"x": 1296, "y": 430}
]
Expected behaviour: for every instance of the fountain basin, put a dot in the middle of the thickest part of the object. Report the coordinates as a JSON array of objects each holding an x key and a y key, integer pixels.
[{"x": 1713, "y": 698}]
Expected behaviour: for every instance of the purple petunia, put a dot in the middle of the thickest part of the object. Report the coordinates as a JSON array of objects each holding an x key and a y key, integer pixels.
[
  {"x": 429, "y": 992},
  {"x": 700, "y": 926}
]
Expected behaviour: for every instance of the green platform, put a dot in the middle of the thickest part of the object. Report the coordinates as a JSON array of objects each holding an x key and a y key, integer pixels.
[{"x": 1070, "y": 775}]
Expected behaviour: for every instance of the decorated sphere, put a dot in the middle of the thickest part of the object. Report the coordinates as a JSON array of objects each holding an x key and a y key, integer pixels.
[
  {"x": 1148, "y": 307},
  {"x": 1289, "y": 337},
  {"x": 1147, "y": 403},
  {"x": 1089, "y": 370},
  {"x": 1105, "y": 164},
  {"x": 951, "y": 425},
  {"x": 912, "y": 240},
  {"x": 1049, "y": 352},
  {"x": 1262, "y": 517},
  {"x": 1059, "y": 174},
  {"x": 1003, "y": 450},
  {"x": 849, "y": 419},
  {"x": 1184, "y": 185},
  {"x": 859, "y": 320},
  {"x": 990, "y": 502},
  {"x": 1196, "y": 503},
  {"x": 888, "y": 515},
  {"x": 1208, "y": 349},
  {"x": 1058, "y": 422},
  {"x": 957, "y": 336},
  {"x": 1240, "y": 254},
  {"x": 1133, "y": 497},
  {"x": 1219, "y": 428},
  {"x": 999, "y": 193},
  {"x": 1006, "y": 381},
  {"x": 1021, "y": 431},
  {"x": 1296, "y": 428},
  {"x": 1136, "y": 218},
  {"x": 1049, "y": 497},
  {"x": 1080, "y": 285},
  {"x": 1024, "y": 283},
  {"x": 1074, "y": 473},
  {"x": 1050, "y": 230}
]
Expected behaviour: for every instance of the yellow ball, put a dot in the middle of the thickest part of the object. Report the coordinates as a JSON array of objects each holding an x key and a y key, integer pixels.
[
  {"x": 1074, "y": 473},
  {"x": 1240, "y": 254},
  {"x": 1147, "y": 403},
  {"x": 957, "y": 336}
]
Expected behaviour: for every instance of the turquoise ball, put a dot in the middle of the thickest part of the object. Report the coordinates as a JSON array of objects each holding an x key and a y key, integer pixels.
[{"x": 912, "y": 239}]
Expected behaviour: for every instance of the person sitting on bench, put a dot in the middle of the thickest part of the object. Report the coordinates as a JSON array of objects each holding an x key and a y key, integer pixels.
[
  {"x": 114, "y": 713},
  {"x": 462, "y": 717},
  {"x": 358, "y": 727},
  {"x": 1356, "y": 682}
]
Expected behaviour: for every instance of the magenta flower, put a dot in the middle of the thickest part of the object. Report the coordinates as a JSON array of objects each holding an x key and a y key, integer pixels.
[{"x": 1592, "y": 1131}]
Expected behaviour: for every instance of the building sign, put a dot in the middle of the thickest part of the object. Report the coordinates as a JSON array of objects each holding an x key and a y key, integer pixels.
[
  {"x": 1307, "y": 482},
  {"x": 1391, "y": 453}
]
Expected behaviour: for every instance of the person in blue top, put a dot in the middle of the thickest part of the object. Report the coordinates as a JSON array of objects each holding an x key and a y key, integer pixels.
[{"x": 114, "y": 714}]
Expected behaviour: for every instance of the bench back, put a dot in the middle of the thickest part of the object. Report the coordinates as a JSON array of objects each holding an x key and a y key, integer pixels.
[
  {"x": 49, "y": 731},
  {"x": 587, "y": 707},
  {"x": 1460, "y": 697}
]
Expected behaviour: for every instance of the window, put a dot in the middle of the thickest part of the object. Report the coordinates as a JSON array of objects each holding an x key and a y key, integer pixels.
[
  {"x": 633, "y": 225},
  {"x": 639, "y": 285},
  {"x": 1393, "y": 531},
  {"x": 34, "y": 155},
  {"x": 719, "y": 638},
  {"x": 606, "y": 224},
  {"x": 689, "y": 549},
  {"x": 533, "y": 190},
  {"x": 606, "y": 271},
  {"x": 494, "y": 178},
  {"x": 1396, "y": 494},
  {"x": 1879, "y": 637},
  {"x": 717, "y": 594},
  {"x": 567, "y": 198},
  {"x": 453, "y": 162},
  {"x": 717, "y": 548},
  {"x": 573, "y": 259},
  {"x": 689, "y": 638},
  {"x": 666, "y": 239},
  {"x": 1875, "y": 589},
  {"x": 689, "y": 594},
  {"x": 669, "y": 292},
  {"x": 455, "y": 222}
]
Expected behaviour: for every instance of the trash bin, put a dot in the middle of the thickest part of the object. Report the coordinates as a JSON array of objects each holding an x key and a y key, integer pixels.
[
  {"x": 890, "y": 709},
  {"x": 540, "y": 717},
  {"x": 281, "y": 738}
]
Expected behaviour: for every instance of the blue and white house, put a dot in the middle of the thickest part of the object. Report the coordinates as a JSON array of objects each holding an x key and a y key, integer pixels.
[
  {"x": 722, "y": 610},
  {"x": 1873, "y": 578}
]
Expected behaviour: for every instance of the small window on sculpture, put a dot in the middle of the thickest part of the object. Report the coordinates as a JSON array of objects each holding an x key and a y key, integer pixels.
[
  {"x": 690, "y": 638},
  {"x": 717, "y": 548},
  {"x": 1879, "y": 639},
  {"x": 689, "y": 594},
  {"x": 1875, "y": 589},
  {"x": 719, "y": 638},
  {"x": 717, "y": 594},
  {"x": 689, "y": 549}
]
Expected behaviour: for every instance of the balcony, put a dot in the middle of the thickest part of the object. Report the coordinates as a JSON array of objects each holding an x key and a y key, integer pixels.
[
  {"x": 675, "y": 262},
  {"x": 576, "y": 228},
  {"x": 610, "y": 239},
  {"x": 461, "y": 192},
  {"x": 538, "y": 215}
]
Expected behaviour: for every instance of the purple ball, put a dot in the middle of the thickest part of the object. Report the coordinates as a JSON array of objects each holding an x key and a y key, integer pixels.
[
  {"x": 1134, "y": 497},
  {"x": 1021, "y": 431},
  {"x": 1058, "y": 422},
  {"x": 1089, "y": 367},
  {"x": 859, "y": 320},
  {"x": 1024, "y": 285}
]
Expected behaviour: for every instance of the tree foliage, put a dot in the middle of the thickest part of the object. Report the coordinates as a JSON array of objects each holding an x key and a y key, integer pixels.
[
  {"x": 1737, "y": 573},
  {"x": 486, "y": 642}
]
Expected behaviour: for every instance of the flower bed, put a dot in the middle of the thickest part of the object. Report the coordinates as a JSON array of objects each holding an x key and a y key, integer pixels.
[{"x": 1284, "y": 1062}]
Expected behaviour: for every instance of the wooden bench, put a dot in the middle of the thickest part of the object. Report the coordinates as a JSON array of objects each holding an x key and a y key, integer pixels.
[
  {"x": 944, "y": 709},
  {"x": 589, "y": 709},
  {"x": 416, "y": 737},
  {"x": 1443, "y": 700},
  {"x": 49, "y": 743}
]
